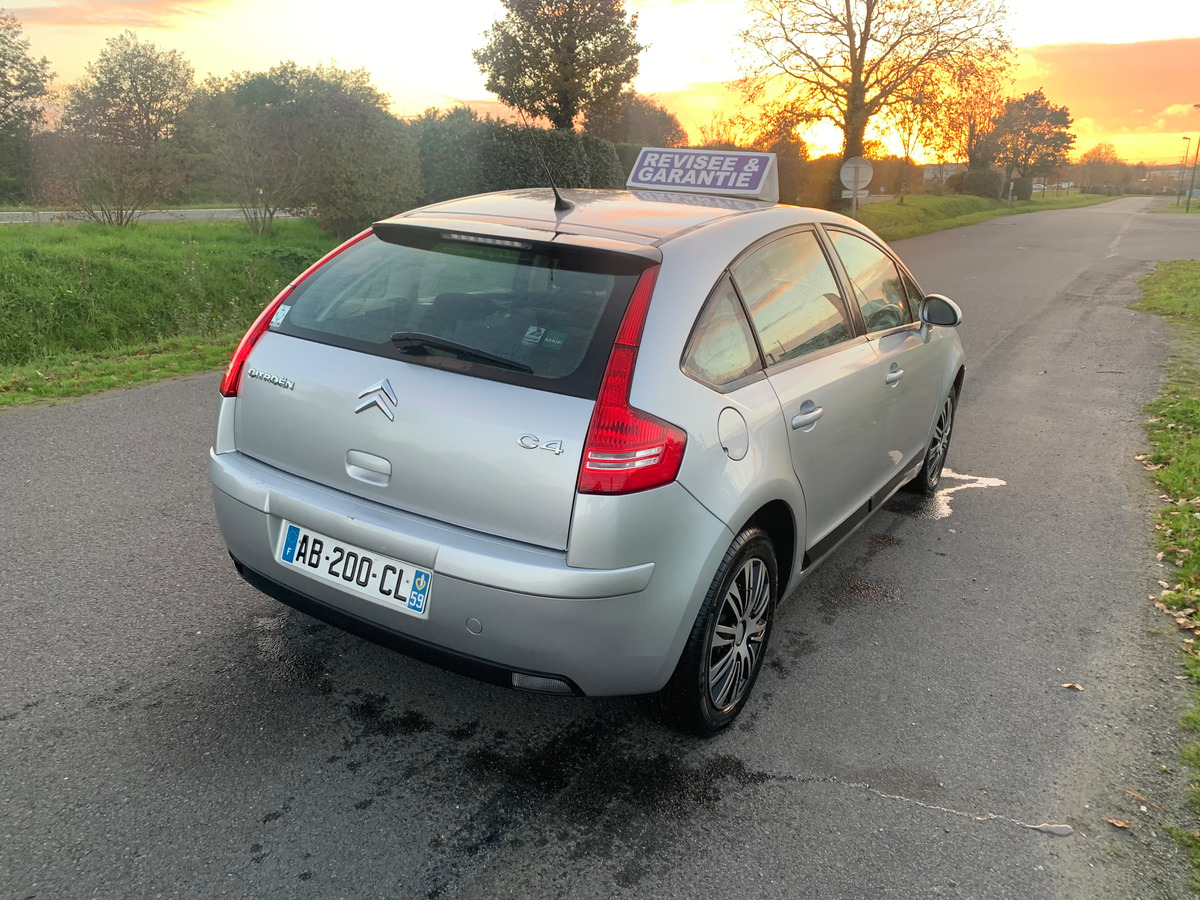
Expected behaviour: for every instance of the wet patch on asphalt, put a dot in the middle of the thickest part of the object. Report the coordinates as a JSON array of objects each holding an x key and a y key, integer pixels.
[
  {"x": 585, "y": 791},
  {"x": 854, "y": 590},
  {"x": 883, "y": 541}
]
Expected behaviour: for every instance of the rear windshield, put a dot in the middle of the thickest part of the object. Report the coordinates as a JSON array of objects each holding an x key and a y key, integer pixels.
[{"x": 508, "y": 310}]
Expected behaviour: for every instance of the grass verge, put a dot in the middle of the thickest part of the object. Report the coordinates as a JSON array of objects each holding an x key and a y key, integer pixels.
[
  {"x": 1181, "y": 209},
  {"x": 88, "y": 307},
  {"x": 925, "y": 213},
  {"x": 1173, "y": 292}
]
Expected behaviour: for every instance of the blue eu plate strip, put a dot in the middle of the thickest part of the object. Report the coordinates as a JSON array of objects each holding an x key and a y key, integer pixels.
[{"x": 289, "y": 544}]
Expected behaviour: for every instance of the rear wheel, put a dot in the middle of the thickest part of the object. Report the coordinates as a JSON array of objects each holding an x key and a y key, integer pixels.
[
  {"x": 725, "y": 650},
  {"x": 930, "y": 476}
]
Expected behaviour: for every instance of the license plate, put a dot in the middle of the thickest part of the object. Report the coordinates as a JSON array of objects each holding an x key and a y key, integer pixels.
[{"x": 381, "y": 579}]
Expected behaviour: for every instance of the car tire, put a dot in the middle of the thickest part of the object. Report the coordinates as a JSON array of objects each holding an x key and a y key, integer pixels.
[
  {"x": 725, "y": 650},
  {"x": 930, "y": 476}
]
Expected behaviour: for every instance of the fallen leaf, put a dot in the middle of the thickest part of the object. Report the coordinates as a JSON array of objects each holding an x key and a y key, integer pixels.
[
  {"x": 1136, "y": 796},
  {"x": 1140, "y": 457},
  {"x": 1075, "y": 686},
  {"x": 1162, "y": 583},
  {"x": 1153, "y": 468},
  {"x": 1159, "y": 554},
  {"x": 1186, "y": 612},
  {"x": 1158, "y": 604},
  {"x": 1120, "y": 823}
]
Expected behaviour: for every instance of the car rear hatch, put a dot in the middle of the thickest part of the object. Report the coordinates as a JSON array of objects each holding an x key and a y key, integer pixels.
[{"x": 443, "y": 371}]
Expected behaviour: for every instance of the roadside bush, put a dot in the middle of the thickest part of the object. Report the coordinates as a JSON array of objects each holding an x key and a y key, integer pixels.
[
  {"x": 604, "y": 166},
  {"x": 512, "y": 158},
  {"x": 627, "y": 154},
  {"x": 982, "y": 183},
  {"x": 451, "y": 146},
  {"x": 1022, "y": 188}
]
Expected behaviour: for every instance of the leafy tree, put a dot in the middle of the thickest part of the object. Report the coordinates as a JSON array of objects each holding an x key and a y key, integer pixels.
[
  {"x": 1032, "y": 135},
  {"x": 560, "y": 58},
  {"x": 845, "y": 62},
  {"x": 635, "y": 119},
  {"x": 23, "y": 82},
  {"x": 133, "y": 94},
  {"x": 118, "y": 126},
  {"x": 318, "y": 139},
  {"x": 1102, "y": 170}
]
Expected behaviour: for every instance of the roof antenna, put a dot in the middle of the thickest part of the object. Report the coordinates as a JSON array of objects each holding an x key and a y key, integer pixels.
[{"x": 560, "y": 203}]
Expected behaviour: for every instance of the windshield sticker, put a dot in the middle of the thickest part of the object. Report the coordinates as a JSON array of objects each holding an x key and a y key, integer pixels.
[
  {"x": 533, "y": 335},
  {"x": 280, "y": 315},
  {"x": 554, "y": 340}
]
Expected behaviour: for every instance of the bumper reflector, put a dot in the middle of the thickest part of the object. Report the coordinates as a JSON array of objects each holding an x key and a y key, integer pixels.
[{"x": 540, "y": 684}]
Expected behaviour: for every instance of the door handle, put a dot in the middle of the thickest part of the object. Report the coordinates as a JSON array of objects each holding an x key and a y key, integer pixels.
[
  {"x": 893, "y": 376},
  {"x": 805, "y": 419}
]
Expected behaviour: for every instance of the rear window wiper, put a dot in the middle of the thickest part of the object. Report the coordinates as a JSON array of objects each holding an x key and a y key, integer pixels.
[{"x": 417, "y": 343}]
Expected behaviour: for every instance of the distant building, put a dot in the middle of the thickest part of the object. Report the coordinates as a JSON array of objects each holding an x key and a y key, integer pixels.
[{"x": 937, "y": 173}]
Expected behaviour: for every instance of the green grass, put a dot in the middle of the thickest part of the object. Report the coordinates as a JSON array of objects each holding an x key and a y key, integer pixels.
[
  {"x": 1179, "y": 210},
  {"x": 1173, "y": 427},
  {"x": 86, "y": 307},
  {"x": 925, "y": 213}
]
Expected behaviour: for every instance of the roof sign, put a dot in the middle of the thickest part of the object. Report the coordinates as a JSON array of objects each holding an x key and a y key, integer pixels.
[{"x": 728, "y": 173}]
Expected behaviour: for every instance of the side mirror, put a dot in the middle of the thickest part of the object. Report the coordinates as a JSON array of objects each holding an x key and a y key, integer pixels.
[{"x": 939, "y": 310}]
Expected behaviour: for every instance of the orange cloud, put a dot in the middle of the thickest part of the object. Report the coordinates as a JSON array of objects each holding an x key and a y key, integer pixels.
[
  {"x": 1136, "y": 96},
  {"x": 118, "y": 14}
]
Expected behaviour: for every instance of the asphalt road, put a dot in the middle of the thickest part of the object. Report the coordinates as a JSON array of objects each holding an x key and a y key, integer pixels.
[{"x": 167, "y": 731}]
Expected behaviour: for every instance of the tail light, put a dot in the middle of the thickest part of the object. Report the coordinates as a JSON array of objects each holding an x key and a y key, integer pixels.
[
  {"x": 628, "y": 450},
  {"x": 233, "y": 372}
]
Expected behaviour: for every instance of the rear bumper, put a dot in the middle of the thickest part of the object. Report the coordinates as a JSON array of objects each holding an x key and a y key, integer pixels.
[
  {"x": 599, "y": 631},
  {"x": 480, "y": 669}
]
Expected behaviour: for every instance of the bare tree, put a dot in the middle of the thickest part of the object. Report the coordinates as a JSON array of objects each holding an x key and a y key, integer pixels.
[
  {"x": 912, "y": 118},
  {"x": 973, "y": 94},
  {"x": 844, "y": 62}
]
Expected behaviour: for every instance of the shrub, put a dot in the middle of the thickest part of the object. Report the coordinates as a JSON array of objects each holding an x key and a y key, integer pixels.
[{"x": 982, "y": 183}]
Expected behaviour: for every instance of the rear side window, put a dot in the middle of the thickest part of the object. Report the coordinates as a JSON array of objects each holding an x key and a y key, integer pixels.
[
  {"x": 792, "y": 297},
  {"x": 878, "y": 287},
  {"x": 507, "y": 310},
  {"x": 721, "y": 349}
]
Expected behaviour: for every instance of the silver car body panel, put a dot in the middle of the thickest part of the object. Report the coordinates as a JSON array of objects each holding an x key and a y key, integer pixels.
[
  {"x": 452, "y": 441},
  {"x": 602, "y": 590}
]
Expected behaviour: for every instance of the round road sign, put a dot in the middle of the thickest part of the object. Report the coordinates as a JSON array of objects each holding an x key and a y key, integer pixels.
[{"x": 856, "y": 173}]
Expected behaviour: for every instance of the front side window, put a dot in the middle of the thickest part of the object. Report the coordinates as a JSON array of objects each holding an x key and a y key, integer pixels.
[
  {"x": 721, "y": 349},
  {"x": 792, "y": 297},
  {"x": 878, "y": 288}
]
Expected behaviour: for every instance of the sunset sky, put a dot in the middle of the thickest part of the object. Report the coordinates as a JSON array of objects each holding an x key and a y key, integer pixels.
[{"x": 1129, "y": 74}]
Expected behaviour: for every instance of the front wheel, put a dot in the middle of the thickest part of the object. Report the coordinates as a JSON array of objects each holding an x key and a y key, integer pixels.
[
  {"x": 725, "y": 650},
  {"x": 930, "y": 476}
]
